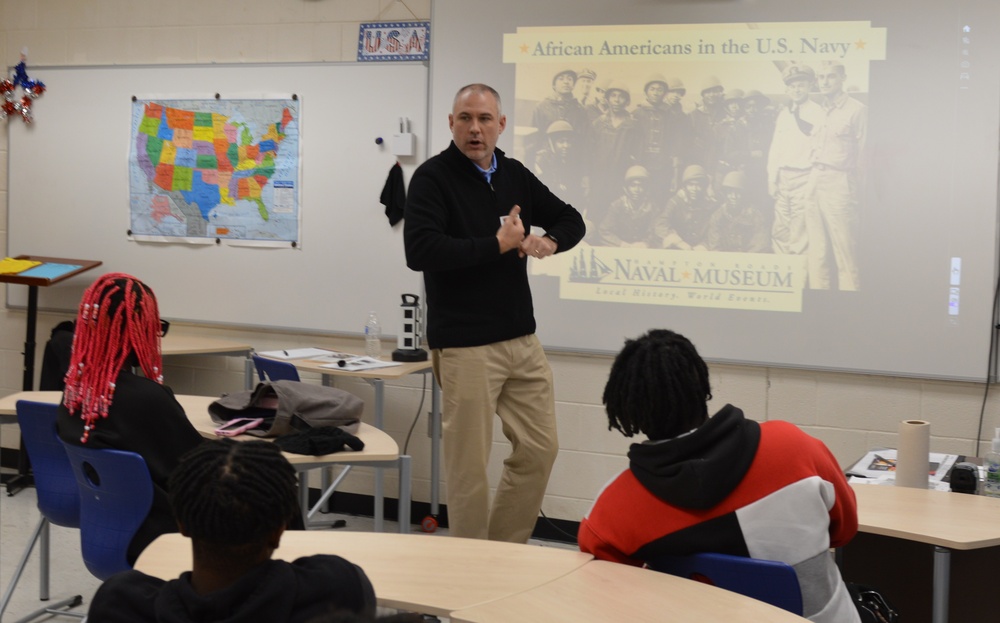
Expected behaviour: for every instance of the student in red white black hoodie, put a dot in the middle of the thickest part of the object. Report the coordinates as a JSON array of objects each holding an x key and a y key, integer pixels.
[{"x": 721, "y": 484}]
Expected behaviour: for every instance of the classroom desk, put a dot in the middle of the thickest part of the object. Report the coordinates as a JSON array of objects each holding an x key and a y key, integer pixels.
[
  {"x": 380, "y": 449},
  {"x": 377, "y": 379},
  {"x": 602, "y": 591},
  {"x": 424, "y": 573},
  {"x": 948, "y": 521},
  {"x": 177, "y": 343}
]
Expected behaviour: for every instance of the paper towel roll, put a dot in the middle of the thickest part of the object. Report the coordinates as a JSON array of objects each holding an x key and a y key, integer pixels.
[{"x": 913, "y": 455}]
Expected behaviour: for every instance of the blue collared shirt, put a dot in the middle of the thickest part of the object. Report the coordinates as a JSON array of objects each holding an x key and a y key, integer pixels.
[{"x": 488, "y": 173}]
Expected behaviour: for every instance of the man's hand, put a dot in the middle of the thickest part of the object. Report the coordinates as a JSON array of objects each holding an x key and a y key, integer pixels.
[
  {"x": 511, "y": 231},
  {"x": 537, "y": 246}
]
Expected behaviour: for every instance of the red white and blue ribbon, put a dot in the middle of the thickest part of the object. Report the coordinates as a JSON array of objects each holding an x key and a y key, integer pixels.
[{"x": 30, "y": 91}]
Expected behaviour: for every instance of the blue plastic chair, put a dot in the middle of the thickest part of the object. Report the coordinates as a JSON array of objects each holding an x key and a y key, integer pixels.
[
  {"x": 116, "y": 493},
  {"x": 58, "y": 497},
  {"x": 274, "y": 370},
  {"x": 769, "y": 581}
]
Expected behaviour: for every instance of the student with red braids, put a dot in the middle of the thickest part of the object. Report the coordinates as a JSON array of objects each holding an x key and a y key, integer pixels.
[{"x": 106, "y": 405}]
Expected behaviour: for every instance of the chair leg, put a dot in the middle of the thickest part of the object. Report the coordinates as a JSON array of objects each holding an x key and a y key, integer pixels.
[
  {"x": 42, "y": 524},
  {"x": 56, "y": 609},
  {"x": 43, "y": 564},
  {"x": 41, "y": 533}
]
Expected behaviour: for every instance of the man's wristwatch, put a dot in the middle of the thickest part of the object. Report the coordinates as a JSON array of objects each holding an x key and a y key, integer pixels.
[{"x": 552, "y": 238}]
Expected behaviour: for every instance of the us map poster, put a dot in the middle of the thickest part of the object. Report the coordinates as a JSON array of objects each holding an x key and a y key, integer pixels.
[{"x": 203, "y": 171}]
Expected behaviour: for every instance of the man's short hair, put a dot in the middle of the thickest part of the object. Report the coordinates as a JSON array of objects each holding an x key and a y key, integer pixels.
[{"x": 482, "y": 89}]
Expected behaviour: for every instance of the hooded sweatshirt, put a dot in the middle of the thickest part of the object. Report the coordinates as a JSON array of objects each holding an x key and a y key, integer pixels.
[
  {"x": 274, "y": 591},
  {"x": 737, "y": 487}
]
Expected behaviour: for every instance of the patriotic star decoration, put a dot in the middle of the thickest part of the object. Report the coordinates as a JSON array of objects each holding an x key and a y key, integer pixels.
[{"x": 30, "y": 89}]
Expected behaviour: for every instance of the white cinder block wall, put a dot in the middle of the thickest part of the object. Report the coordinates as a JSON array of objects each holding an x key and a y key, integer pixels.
[{"x": 851, "y": 413}]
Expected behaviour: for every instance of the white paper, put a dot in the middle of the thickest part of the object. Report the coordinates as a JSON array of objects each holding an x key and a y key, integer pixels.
[
  {"x": 334, "y": 357},
  {"x": 878, "y": 467},
  {"x": 295, "y": 353},
  {"x": 360, "y": 363}
]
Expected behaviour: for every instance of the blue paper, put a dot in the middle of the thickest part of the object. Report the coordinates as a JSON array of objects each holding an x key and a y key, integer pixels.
[{"x": 49, "y": 271}]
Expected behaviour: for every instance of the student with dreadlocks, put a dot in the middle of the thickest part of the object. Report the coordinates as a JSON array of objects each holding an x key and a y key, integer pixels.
[
  {"x": 106, "y": 405},
  {"x": 717, "y": 484},
  {"x": 234, "y": 500}
]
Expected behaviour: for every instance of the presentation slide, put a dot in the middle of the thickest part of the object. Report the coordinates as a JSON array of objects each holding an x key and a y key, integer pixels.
[{"x": 787, "y": 183}]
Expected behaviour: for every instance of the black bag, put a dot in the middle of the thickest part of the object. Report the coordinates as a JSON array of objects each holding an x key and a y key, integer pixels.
[{"x": 871, "y": 605}]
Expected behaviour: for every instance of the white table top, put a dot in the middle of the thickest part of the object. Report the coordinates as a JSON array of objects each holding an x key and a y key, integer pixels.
[
  {"x": 181, "y": 344},
  {"x": 954, "y": 520},
  {"x": 390, "y": 372},
  {"x": 602, "y": 591},
  {"x": 427, "y": 573}
]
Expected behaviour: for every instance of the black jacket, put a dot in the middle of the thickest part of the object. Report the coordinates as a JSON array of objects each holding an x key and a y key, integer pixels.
[
  {"x": 475, "y": 295},
  {"x": 293, "y": 592}
]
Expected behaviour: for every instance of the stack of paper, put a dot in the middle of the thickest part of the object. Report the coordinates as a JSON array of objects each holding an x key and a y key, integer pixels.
[{"x": 878, "y": 467}]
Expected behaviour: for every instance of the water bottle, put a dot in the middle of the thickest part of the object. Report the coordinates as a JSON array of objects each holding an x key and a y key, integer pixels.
[
  {"x": 991, "y": 484},
  {"x": 373, "y": 337}
]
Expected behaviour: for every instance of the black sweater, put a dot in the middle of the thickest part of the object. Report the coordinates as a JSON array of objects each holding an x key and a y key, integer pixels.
[
  {"x": 294, "y": 592},
  {"x": 475, "y": 295}
]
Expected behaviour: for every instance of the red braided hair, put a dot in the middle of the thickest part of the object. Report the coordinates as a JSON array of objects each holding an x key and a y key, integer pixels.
[{"x": 118, "y": 317}]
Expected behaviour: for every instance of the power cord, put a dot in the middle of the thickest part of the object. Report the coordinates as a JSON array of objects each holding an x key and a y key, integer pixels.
[
  {"x": 572, "y": 537},
  {"x": 423, "y": 393}
]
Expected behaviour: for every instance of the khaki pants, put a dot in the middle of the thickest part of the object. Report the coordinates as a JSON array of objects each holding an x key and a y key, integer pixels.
[
  {"x": 832, "y": 225},
  {"x": 511, "y": 379}
]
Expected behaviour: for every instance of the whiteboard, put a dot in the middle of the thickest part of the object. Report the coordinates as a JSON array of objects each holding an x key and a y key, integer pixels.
[{"x": 69, "y": 193}]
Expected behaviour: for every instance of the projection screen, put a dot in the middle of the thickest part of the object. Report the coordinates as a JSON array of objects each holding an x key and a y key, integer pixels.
[{"x": 797, "y": 184}]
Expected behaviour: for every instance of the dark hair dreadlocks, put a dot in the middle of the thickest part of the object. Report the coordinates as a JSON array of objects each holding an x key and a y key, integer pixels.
[
  {"x": 233, "y": 493},
  {"x": 658, "y": 386}
]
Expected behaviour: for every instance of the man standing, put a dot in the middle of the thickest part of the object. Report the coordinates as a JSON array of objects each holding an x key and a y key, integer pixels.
[
  {"x": 469, "y": 214},
  {"x": 613, "y": 148},
  {"x": 679, "y": 134},
  {"x": 705, "y": 119},
  {"x": 560, "y": 166},
  {"x": 651, "y": 129},
  {"x": 584, "y": 90},
  {"x": 790, "y": 159},
  {"x": 834, "y": 182},
  {"x": 562, "y": 104}
]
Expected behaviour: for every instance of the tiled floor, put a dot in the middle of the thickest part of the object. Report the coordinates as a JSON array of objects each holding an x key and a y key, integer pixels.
[{"x": 68, "y": 575}]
